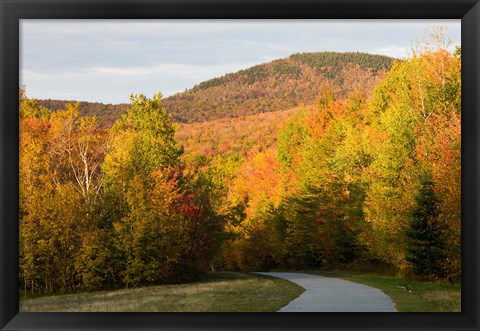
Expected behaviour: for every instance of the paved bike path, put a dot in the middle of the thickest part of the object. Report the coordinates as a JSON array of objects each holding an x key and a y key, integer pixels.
[{"x": 326, "y": 294}]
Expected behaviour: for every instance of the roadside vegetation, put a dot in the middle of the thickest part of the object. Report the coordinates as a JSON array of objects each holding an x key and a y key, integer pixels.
[
  {"x": 408, "y": 295},
  {"x": 215, "y": 292}
]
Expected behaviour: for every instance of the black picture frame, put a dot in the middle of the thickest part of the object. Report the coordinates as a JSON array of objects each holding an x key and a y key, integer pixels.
[{"x": 11, "y": 11}]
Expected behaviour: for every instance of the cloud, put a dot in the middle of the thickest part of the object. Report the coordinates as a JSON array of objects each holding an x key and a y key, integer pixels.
[
  {"x": 395, "y": 51},
  {"x": 115, "y": 84},
  {"x": 173, "y": 69}
]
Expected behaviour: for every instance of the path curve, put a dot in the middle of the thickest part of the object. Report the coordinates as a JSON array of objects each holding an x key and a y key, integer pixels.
[{"x": 326, "y": 294}]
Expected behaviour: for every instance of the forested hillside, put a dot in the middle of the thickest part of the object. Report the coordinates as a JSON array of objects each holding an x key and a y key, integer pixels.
[
  {"x": 273, "y": 86},
  {"x": 278, "y": 85},
  {"x": 365, "y": 173},
  {"x": 232, "y": 135}
]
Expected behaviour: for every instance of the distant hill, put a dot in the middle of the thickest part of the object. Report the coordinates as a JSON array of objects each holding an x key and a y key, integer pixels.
[
  {"x": 106, "y": 113},
  {"x": 273, "y": 86},
  {"x": 277, "y": 85}
]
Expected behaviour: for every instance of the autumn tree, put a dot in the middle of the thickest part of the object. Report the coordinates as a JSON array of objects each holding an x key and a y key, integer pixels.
[
  {"x": 60, "y": 181},
  {"x": 162, "y": 234},
  {"x": 414, "y": 94},
  {"x": 438, "y": 150}
]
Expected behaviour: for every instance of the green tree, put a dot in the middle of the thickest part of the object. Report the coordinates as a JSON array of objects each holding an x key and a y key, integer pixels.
[
  {"x": 425, "y": 245},
  {"x": 140, "y": 142},
  {"x": 163, "y": 231}
]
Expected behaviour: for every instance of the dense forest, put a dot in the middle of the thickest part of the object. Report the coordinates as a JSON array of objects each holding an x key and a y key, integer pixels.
[
  {"x": 273, "y": 86},
  {"x": 366, "y": 174}
]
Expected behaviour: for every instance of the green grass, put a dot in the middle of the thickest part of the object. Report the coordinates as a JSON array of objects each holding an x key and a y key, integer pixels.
[
  {"x": 217, "y": 292},
  {"x": 424, "y": 296},
  {"x": 239, "y": 292}
]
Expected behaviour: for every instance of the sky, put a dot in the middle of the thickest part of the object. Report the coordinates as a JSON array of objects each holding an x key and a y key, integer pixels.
[{"x": 107, "y": 60}]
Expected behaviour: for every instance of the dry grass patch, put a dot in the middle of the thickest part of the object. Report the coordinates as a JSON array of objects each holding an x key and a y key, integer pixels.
[
  {"x": 444, "y": 300},
  {"x": 217, "y": 292}
]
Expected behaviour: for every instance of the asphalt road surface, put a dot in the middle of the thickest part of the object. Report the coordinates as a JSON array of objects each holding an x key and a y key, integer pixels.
[{"x": 325, "y": 294}]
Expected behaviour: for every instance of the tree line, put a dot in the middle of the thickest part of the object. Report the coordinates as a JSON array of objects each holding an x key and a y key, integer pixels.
[{"x": 108, "y": 208}]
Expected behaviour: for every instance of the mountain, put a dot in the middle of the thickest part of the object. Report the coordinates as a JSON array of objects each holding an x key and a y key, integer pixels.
[
  {"x": 273, "y": 86},
  {"x": 277, "y": 85}
]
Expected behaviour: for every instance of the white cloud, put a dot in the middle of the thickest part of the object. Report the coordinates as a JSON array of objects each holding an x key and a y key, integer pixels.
[
  {"x": 395, "y": 51},
  {"x": 115, "y": 84},
  {"x": 174, "y": 69}
]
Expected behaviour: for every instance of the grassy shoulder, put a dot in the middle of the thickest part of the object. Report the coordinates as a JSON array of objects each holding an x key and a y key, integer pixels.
[
  {"x": 423, "y": 296},
  {"x": 216, "y": 292}
]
